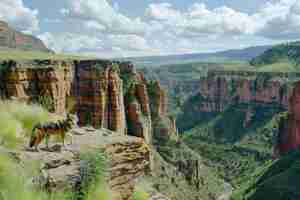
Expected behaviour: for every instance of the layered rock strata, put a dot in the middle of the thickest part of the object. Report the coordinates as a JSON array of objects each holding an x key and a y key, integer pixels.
[
  {"x": 105, "y": 94},
  {"x": 60, "y": 169},
  {"x": 221, "y": 88},
  {"x": 99, "y": 92},
  {"x": 46, "y": 82},
  {"x": 289, "y": 125}
]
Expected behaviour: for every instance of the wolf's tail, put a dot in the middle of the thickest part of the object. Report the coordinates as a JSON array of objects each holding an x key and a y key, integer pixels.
[{"x": 33, "y": 137}]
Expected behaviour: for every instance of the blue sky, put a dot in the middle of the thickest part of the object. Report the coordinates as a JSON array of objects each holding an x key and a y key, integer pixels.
[{"x": 116, "y": 28}]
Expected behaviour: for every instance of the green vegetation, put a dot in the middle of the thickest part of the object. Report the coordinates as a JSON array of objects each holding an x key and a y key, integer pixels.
[
  {"x": 140, "y": 194},
  {"x": 17, "y": 121},
  {"x": 276, "y": 180},
  {"x": 231, "y": 147},
  {"x": 33, "y": 55},
  {"x": 46, "y": 102},
  {"x": 283, "y": 57},
  {"x": 93, "y": 172},
  {"x": 182, "y": 173}
]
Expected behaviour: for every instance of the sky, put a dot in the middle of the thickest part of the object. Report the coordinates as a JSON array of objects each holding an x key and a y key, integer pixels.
[{"x": 125, "y": 28}]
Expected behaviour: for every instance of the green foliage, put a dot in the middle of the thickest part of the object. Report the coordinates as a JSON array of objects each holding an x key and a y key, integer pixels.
[
  {"x": 276, "y": 180},
  {"x": 46, "y": 102},
  {"x": 17, "y": 121},
  {"x": 288, "y": 53},
  {"x": 129, "y": 82},
  {"x": 233, "y": 149},
  {"x": 15, "y": 183},
  {"x": 140, "y": 194},
  {"x": 93, "y": 172},
  {"x": 115, "y": 67},
  {"x": 190, "y": 116}
]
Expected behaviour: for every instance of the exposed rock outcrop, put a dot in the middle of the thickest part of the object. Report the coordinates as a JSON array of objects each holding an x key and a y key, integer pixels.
[
  {"x": 289, "y": 126},
  {"x": 46, "y": 82},
  {"x": 60, "y": 170},
  {"x": 221, "y": 89},
  {"x": 107, "y": 94},
  {"x": 99, "y": 93},
  {"x": 12, "y": 39}
]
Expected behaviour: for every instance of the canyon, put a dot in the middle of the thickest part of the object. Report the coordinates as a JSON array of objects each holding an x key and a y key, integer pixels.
[
  {"x": 219, "y": 90},
  {"x": 111, "y": 96}
]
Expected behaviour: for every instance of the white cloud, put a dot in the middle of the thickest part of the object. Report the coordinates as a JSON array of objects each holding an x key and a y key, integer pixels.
[
  {"x": 19, "y": 16},
  {"x": 69, "y": 42},
  {"x": 104, "y": 14},
  {"x": 280, "y": 20},
  {"x": 107, "y": 46},
  {"x": 165, "y": 29}
]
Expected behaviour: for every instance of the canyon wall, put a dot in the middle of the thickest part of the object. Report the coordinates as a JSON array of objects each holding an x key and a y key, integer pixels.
[
  {"x": 288, "y": 138},
  {"x": 221, "y": 89},
  {"x": 46, "y": 82},
  {"x": 105, "y": 94}
]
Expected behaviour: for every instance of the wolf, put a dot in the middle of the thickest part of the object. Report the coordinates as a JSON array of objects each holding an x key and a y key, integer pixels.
[{"x": 44, "y": 131}]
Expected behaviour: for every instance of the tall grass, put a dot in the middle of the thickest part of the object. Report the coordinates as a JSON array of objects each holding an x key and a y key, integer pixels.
[
  {"x": 17, "y": 120},
  {"x": 140, "y": 194}
]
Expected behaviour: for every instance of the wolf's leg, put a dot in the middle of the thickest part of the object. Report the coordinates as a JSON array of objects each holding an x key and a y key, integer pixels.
[
  {"x": 63, "y": 136},
  {"x": 36, "y": 148}
]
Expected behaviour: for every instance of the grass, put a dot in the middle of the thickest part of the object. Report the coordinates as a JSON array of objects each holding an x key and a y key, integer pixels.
[
  {"x": 276, "y": 180},
  {"x": 140, "y": 194},
  {"x": 278, "y": 67},
  {"x": 229, "y": 147},
  {"x": 17, "y": 121},
  {"x": 32, "y": 55}
]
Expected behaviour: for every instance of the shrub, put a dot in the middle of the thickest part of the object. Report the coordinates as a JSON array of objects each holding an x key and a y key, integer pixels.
[
  {"x": 17, "y": 120},
  {"x": 140, "y": 194},
  {"x": 93, "y": 172}
]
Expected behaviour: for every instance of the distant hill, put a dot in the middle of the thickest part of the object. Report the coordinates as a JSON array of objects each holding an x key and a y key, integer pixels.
[
  {"x": 11, "y": 39},
  {"x": 237, "y": 54},
  {"x": 283, "y": 53}
]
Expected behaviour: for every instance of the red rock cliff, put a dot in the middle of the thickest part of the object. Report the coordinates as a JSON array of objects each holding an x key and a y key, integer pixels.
[
  {"x": 108, "y": 94},
  {"x": 46, "y": 82},
  {"x": 100, "y": 96},
  {"x": 221, "y": 88},
  {"x": 289, "y": 125}
]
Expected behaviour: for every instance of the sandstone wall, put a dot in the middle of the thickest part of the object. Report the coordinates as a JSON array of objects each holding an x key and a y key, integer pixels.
[
  {"x": 46, "y": 82},
  {"x": 219, "y": 89},
  {"x": 99, "y": 91},
  {"x": 289, "y": 125},
  {"x": 106, "y": 94}
]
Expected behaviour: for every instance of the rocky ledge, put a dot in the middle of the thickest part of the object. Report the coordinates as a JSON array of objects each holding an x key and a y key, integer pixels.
[{"x": 60, "y": 168}]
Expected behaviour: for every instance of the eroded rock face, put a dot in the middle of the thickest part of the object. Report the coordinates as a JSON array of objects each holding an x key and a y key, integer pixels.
[
  {"x": 289, "y": 125},
  {"x": 99, "y": 92},
  {"x": 60, "y": 170},
  {"x": 221, "y": 88},
  {"x": 46, "y": 82},
  {"x": 107, "y": 94}
]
